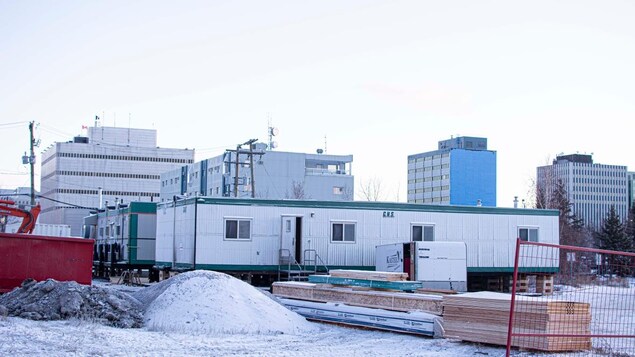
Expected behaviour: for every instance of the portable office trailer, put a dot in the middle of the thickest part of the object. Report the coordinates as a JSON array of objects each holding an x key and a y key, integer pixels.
[
  {"x": 247, "y": 235},
  {"x": 125, "y": 237}
]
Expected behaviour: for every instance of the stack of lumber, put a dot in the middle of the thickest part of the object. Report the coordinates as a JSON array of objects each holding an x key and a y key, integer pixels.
[
  {"x": 364, "y": 298},
  {"x": 484, "y": 317},
  {"x": 396, "y": 301}
]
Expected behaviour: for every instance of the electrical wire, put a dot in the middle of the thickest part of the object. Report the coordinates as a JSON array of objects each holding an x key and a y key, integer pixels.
[
  {"x": 56, "y": 201},
  {"x": 14, "y": 124}
]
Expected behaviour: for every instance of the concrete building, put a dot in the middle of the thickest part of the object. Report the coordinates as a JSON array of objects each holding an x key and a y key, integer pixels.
[
  {"x": 460, "y": 172},
  {"x": 592, "y": 188},
  {"x": 276, "y": 175},
  {"x": 20, "y": 195},
  {"x": 631, "y": 189},
  {"x": 120, "y": 164}
]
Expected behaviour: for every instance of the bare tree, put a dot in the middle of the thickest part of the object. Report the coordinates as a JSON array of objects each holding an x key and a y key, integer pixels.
[
  {"x": 297, "y": 190},
  {"x": 371, "y": 190},
  {"x": 347, "y": 193}
]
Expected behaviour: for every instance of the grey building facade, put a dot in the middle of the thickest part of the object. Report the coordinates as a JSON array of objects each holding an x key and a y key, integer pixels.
[
  {"x": 261, "y": 173},
  {"x": 592, "y": 188},
  {"x": 110, "y": 165}
]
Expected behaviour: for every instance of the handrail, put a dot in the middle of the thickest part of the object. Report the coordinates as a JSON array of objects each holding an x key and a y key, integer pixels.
[
  {"x": 315, "y": 260},
  {"x": 289, "y": 259}
]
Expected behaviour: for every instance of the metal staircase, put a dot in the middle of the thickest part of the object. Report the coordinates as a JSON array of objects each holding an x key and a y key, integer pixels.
[{"x": 290, "y": 270}]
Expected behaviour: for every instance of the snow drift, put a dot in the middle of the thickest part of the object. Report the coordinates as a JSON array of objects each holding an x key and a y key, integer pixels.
[{"x": 212, "y": 302}]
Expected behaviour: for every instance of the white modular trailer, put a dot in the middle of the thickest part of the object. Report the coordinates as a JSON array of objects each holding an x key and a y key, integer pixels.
[{"x": 251, "y": 234}]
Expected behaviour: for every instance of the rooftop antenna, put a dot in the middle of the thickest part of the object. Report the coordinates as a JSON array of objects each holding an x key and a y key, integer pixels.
[
  {"x": 272, "y": 132},
  {"x": 325, "y": 144}
]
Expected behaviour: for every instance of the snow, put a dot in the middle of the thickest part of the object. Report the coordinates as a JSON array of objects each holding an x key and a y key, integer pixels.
[
  {"x": 207, "y": 314},
  {"x": 212, "y": 302}
]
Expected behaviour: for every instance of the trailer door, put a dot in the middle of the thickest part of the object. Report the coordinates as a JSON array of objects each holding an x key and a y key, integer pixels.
[{"x": 290, "y": 239}]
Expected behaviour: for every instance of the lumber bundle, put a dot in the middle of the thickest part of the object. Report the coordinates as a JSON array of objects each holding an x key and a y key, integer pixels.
[
  {"x": 369, "y": 275},
  {"x": 484, "y": 317},
  {"x": 396, "y": 301}
]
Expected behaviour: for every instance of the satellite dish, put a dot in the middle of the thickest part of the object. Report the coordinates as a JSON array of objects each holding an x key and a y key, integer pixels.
[
  {"x": 274, "y": 144},
  {"x": 273, "y": 131}
]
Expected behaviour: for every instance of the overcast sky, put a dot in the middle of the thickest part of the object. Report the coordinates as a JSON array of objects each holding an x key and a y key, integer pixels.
[{"x": 380, "y": 80}]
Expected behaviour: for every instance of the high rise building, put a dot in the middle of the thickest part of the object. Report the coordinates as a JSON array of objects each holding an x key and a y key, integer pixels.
[
  {"x": 110, "y": 165},
  {"x": 276, "y": 175},
  {"x": 460, "y": 172},
  {"x": 631, "y": 190},
  {"x": 591, "y": 188}
]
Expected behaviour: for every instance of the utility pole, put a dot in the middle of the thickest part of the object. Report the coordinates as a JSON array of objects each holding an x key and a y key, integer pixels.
[
  {"x": 32, "y": 163},
  {"x": 251, "y": 166},
  {"x": 251, "y": 154},
  {"x": 236, "y": 173}
]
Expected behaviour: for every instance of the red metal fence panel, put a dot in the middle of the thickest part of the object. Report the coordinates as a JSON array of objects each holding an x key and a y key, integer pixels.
[{"x": 588, "y": 307}]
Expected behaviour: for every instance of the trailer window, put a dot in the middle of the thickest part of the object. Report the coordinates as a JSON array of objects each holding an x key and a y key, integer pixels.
[
  {"x": 422, "y": 233},
  {"x": 237, "y": 229},
  {"x": 343, "y": 232},
  {"x": 528, "y": 234}
]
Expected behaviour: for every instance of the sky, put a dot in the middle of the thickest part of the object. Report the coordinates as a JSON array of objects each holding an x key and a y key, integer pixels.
[{"x": 377, "y": 79}]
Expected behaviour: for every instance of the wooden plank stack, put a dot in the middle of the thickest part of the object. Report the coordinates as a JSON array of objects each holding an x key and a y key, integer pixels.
[
  {"x": 364, "y": 298},
  {"x": 484, "y": 316},
  {"x": 396, "y": 301}
]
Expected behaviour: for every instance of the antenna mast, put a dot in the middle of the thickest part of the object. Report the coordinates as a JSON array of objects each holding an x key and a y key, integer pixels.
[{"x": 272, "y": 132}]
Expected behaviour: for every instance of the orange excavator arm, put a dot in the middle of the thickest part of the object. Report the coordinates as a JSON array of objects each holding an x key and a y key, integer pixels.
[{"x": 28, "y": 217}]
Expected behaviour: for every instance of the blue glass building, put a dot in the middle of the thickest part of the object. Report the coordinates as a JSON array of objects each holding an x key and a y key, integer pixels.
[{"x": 461, "y": 172}]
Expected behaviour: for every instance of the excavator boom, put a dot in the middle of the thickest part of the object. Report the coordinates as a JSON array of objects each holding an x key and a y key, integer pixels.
[{"x": 29, "y": 218}]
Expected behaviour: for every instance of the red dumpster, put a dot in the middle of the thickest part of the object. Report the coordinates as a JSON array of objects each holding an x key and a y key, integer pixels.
[{"x": 25, "y": 256}]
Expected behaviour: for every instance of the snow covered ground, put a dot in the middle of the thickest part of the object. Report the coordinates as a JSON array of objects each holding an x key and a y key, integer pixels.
[{"x": 217, "y": 317}]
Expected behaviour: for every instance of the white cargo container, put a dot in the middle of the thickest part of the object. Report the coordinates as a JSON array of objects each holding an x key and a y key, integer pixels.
[
  {"x": 438, "y": 265},
  {"x": 43, "y": 229}
]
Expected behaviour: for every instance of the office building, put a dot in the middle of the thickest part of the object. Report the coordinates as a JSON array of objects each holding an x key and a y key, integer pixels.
[
  {"x": 110, "y": 165},
  {"x": 591, "y": 188},
  {"x": 460, "y": 172},
  {"x": 262, "y": 173},
  {"x": 631, "y": 189}
]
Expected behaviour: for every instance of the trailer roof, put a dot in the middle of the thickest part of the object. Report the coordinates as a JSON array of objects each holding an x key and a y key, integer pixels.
[{"x": 365, "y": 205}]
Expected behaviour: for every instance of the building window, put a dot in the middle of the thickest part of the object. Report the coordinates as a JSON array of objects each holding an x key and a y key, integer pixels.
[
  {"x": 238, "y": 229},
  {"x": 338, "y": 190},
  {"x": 343, "y": 232},
  {"x": 422, "y": 233},
  {"x": 528, "y": 234}
]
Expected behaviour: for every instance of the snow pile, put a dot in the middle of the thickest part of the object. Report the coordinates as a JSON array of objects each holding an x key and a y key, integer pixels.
[
  {"x": 212, "y": 302},
  {"x": 54, "y": 300}
]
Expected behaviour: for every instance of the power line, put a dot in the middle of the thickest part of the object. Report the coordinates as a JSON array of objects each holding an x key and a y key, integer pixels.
[
  {"x": 54, "y": 200},
  {"x": 14, "y": 124}
]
